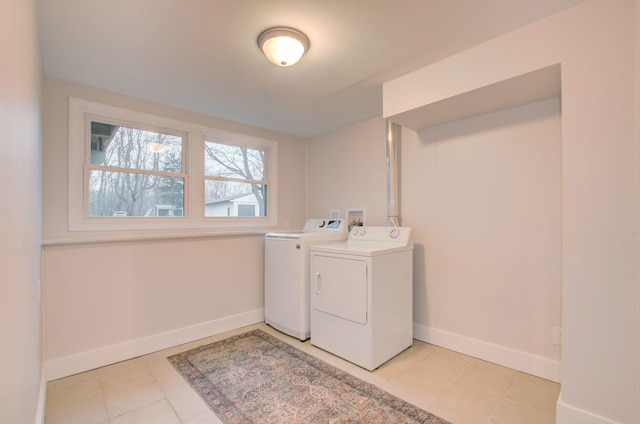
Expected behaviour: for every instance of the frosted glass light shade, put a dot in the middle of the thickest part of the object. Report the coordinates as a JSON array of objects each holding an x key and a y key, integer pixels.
[{"x": 283, "y": 46}]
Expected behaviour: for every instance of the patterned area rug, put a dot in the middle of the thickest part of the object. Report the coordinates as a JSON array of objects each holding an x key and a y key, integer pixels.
[{"x": 256, "y": 378}]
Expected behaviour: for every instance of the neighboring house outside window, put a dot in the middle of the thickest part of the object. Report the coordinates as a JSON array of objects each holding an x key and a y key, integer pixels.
[
  {"x": 130, "y": 170},
  {"x": 244, "y": 204},
  {"x": 246, "y": 210}
]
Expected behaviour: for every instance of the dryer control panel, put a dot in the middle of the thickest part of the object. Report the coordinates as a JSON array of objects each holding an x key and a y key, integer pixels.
[{"x": 400, "y": 235}]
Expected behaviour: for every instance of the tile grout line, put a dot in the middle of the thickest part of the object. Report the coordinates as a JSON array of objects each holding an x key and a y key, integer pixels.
[
  {"x": 503, "y": 398},
  {"x": 104, "y": 402},
  {"x": 451, "y": 381},
  {"x": 164, "y": 393},
  {"x": 530, "y": 384}
]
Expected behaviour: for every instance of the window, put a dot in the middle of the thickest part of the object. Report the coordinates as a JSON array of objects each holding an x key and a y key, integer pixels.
[
  {"x": 130, "y": 170},
  {"x": 235, "y": 182},
  {"x": 134, "y": 172}
]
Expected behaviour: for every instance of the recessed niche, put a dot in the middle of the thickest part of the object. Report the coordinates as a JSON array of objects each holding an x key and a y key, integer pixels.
[{"x": 530, "y": 87}]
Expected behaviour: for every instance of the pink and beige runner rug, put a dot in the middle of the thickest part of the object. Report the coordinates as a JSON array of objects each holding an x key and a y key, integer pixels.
[{"x": 256, "y": 378}]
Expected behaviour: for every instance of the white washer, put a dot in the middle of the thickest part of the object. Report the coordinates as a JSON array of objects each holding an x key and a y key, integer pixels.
[
  {"x": 286, "y": 273},
  {"x": 362, "y": 295}
]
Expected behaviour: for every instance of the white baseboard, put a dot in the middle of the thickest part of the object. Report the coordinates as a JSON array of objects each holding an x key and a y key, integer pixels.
[
  {"x": 567, "y": 414},
  {"x": 518, "y": 360},
  {"x": 84, "y": 361}
]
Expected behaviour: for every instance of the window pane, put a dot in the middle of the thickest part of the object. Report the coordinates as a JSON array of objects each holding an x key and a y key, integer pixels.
[
  {"x": 223, "y": 198},
  {"x": 134, "y": 194},
  {"x": 133, "y": 148},
  {"x": 222, "y": 160}
]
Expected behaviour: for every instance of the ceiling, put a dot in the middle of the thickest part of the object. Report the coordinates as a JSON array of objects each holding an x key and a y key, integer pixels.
[{"x": 202, "y": 55}]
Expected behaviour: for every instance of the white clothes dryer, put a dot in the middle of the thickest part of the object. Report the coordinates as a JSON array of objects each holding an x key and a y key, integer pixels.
[
  {"x": 362, "y": 295},
  {"x": 286, "y": 273}
]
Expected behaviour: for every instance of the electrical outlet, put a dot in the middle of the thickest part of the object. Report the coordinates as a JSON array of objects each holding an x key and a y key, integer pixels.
[{"x": 557, "y": 336}]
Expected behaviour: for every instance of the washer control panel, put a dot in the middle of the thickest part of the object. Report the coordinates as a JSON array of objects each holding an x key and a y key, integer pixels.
[{"x": 313, "y": 225}]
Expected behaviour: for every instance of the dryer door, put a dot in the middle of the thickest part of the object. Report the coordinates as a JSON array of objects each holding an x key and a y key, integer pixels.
[{"x": 339, "y": 287}]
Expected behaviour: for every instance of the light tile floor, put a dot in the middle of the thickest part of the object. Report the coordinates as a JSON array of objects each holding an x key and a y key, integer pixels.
[{"x": 457, "y": 387}]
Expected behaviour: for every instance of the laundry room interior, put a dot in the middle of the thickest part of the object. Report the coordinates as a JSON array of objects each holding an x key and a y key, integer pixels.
[
  {"x": 484, "y": 192},
  {"x": 521, "y": 205}
]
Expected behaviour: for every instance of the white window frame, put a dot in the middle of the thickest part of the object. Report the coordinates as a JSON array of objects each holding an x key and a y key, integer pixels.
[
  {"x": 241, "y": 143},
  {"x": 82, "y": 111}
]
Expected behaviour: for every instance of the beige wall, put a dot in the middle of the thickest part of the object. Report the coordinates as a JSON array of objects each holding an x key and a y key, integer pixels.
[
  {"x": 595, "y": 44},
  {"x": 22, "y": 388},
  {"x": 108, "y": 301},
  {"x": 484, "y": 198},
  {"x": 637, "y": 109},
  {"x": 347, "y": 171}
]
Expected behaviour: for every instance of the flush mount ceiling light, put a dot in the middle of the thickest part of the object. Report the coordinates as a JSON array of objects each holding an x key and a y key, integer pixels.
[{"x": 283, "y": 46}]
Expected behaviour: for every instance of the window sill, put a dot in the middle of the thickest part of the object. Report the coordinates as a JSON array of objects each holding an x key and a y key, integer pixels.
[{"x": 126, "y": 238}]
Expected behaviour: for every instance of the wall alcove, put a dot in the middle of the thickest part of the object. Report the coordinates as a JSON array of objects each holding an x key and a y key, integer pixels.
[
  {"x": 483, "y": 173},
  {"x": 487, "y": 96}
]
